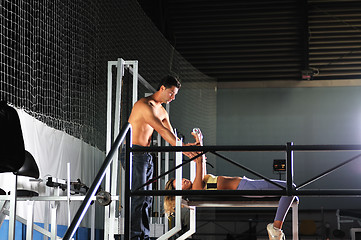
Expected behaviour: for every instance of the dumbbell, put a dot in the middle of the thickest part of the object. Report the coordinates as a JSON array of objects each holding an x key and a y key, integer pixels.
[{"x": 103, "y": 198}]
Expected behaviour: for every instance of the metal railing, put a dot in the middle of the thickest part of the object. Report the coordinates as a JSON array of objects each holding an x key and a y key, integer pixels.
[
  {"x": 290, "y": 190},
  {"x": 289, "y": 148}
]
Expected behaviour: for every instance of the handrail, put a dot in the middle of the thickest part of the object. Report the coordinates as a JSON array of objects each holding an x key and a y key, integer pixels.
[
  {"x": 289, "y": 148},
  {"x": 250, "y": 148},
  {"x": 96, "y": 183}
]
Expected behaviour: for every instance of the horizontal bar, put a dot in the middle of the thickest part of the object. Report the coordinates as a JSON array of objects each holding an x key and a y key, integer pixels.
[
  {"x": 329, "y": 192},
  {"x": 209, "y": 148},
  {"x": 194, "y": 192},
  {"x": 209, "y": 193},
  {"x": 309, "y": 192},
  {"x": 54, "y": 198},
  {"x": 114, "y": 63},
  {"x": 352, "y": 147}
]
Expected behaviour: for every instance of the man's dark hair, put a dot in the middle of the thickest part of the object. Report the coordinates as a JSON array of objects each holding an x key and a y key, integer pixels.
[{"x": 169, "y": 81}]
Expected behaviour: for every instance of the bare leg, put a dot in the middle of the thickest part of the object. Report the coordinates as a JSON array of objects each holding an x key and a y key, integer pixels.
[{"x": 278, "y": 224}]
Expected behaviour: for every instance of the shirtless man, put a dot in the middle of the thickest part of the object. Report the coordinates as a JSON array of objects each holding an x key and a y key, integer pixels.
[{"x": 148, "y": 115}]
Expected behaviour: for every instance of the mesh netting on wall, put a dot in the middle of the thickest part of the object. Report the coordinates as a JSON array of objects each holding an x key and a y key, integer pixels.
[
  {"x": 54, "y": 56},
  {"x": 48, "y": 53}
]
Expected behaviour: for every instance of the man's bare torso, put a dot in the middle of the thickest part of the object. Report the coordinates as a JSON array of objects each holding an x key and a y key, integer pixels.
[{"x": 145, "y": 114}]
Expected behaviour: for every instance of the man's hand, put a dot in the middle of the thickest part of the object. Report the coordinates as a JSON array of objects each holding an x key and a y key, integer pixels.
[{"x": 191, "y": 154}]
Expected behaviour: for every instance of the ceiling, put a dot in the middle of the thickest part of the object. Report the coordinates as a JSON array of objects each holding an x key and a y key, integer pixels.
[{"x": 264, "y": 40}]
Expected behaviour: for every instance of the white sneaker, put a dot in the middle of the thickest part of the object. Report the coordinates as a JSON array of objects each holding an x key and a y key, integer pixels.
[{"x": 275, "y": 233}]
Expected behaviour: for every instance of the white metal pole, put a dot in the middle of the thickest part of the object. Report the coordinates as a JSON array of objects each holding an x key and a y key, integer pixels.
[
  {"x": 68, "y": 192},
  {"x": 109, "y": 105},
  {"x": 30, "y": 220},
  {"x": 192, "y": 224},
  {"x": 108, "y": 139},
  {"x": 159, "y": 143},
  {"x": 92, "y": 223},
  {"x": 114, "y": 171},
  {"x": 166, "y": 168},
  {"x": 178, "y": 199},
  {"x": 295, "y": 220},
  {"x": 12, "y": 216},
  {"x": 135, "y": 81},
  {"x": 53, "y": 221}
]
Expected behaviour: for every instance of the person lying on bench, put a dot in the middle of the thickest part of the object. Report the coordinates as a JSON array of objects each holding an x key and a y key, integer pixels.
[{"x": 204, "y": 181}]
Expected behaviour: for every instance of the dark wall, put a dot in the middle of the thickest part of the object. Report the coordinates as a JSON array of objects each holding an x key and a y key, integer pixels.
[{"x": 262, "y": 116}]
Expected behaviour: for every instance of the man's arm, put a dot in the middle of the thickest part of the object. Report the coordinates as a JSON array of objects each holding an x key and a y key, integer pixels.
[
  {"x": 168, "y": 125},
  {"x": 162, "y": 126}
]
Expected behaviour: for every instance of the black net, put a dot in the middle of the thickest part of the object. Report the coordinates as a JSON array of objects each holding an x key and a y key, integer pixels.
[
  {"x": 48, "y": 62},
  {"x": 54, "y": 58}
]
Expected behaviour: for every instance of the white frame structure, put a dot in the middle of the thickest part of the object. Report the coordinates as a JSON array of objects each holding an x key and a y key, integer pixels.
[
  {"x": 178, "y": 204},
  {"x": 111, "y": 179}
]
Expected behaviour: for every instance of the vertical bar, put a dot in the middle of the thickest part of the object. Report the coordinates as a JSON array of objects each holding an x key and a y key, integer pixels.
[
  {"x": 30, "y": 220},
  {"x": 127, "y": 189},
  {"x": 192, "y": 224},
  {"x": 178, "y": 180},
  {"x": 159, "y": 142},
  {"x": 53, "y": 222},
  {"x": 12, "y": 216},
  {"x": 295, "y": 220},
  {"x": 92, "y": 223},
  {"x": 68, "y": 191},
  {"x": 122, "y": 197},
  {"x": 166, "y": 165},
  {"x": 289, "y": 169},
  {"x": 135, "y": 81},
  {"x": 338, "y": 219},
  {"x": 122, "y": 169},
  {"x": 166, "y": 178},
  {"x": 166, "y": 168},
  {"x": 109, "y": 105},
  {"x": 108, "y": 139},
  {"x": 178, "y": 199},
  {"x": 128, "y": 160},
  {"x": 114, "y": 169},
  {"x": 111, "y": 176},
  {"x": 48, "y": 192}
]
